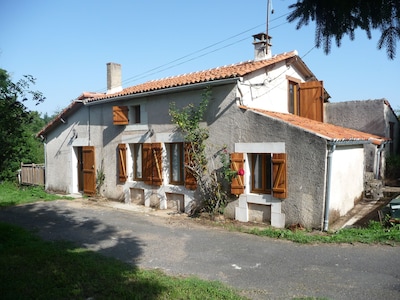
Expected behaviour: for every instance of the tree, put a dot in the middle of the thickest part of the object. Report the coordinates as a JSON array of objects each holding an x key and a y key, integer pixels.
[
  {"x": 17, "y": 125},
  {"x": 336, "y": 18}
]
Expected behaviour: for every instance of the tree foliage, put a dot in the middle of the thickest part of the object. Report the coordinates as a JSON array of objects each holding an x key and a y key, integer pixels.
[
  {"x": 336, "y": 18},
  {"x": 18, "y": 125}
]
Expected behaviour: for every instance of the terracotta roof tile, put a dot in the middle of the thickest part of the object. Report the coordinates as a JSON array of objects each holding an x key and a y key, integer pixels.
[
  {"x": 328, "y": 131},
  {"x": 232, "y": 71}
]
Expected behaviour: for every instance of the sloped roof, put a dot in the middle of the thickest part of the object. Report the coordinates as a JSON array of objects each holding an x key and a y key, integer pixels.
[
  {"x": 327, "y": 131},
  {"x": 219, "y": 73},
  {"x": 225, "y": 72}
]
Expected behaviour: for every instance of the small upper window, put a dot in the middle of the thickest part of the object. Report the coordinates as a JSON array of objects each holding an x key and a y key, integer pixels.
[{"x": 134, "y": 114}]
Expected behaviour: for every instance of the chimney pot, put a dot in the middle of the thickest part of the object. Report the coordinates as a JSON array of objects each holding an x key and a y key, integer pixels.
[
  {"x": 114, "y": 78},
  {"x": 262, "y": 46}
]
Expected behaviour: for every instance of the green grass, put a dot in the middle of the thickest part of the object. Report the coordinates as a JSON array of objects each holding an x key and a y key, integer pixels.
[
  {"x": 374, "y": 233},
  {"x": 12, "y": 194},
  {"x": 31, "y": 268}
]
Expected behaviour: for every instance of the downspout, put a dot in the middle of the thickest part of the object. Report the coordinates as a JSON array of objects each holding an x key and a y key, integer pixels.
[
  {"x": 88, "y": 126},
  {"x": 378, "y": 160},
  {"x": 331, "y": 149}
]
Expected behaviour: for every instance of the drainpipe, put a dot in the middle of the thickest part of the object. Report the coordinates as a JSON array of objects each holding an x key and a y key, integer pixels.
[
  {"x": 331, "y": 149},
  {"x": 378, "y": 160}
]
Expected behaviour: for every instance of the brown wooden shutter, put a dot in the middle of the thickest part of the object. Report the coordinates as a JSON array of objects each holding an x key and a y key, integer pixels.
[
  {"x": 123, "y": 175},
  {"x": 190, "y": 180},
  {"x": 120, "y": 115},
  {"x": 147, "y": 163},
  {"x": 312, "y": 100},
  {"x": 156, "y": 150},
  {"x": 279, "y": 175},
  {"x": 89, "y": 171},
  {"x": 237, "y": 163}
]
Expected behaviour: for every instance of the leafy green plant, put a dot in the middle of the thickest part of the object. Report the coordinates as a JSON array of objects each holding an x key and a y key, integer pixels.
[
  {"x": 393, "y": 166},
  {"x": 100, "y": 177},
  {"x": 205, "y": 169}
]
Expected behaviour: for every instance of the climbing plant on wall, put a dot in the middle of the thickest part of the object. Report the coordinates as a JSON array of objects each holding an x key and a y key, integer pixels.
[{"x": 208, "y": 170}]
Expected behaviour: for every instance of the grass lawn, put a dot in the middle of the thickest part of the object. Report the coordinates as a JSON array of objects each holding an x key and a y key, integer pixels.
[
  {"x": 31, "y": 268},
  {"x": 12, "y": 194}
]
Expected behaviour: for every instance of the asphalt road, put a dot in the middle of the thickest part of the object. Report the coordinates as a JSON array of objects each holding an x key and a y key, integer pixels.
[{"x": 262, "y": 268}]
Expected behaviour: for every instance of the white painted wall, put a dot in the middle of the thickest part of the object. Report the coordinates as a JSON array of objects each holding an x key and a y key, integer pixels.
[
  {"x": 268, "y": 90},
  {"x": 347, "y": 181}
]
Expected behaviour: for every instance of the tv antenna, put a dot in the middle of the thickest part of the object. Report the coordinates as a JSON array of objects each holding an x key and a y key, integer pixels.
[{"x": 269, "y": 10}]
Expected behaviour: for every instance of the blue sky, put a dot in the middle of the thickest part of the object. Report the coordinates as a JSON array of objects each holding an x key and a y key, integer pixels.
[{"x": 65, "y": 45}]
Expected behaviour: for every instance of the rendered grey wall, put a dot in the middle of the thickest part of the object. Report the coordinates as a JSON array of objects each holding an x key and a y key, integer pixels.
[
  {"x": 365, "y": 116},
  {"x": 306, "y": 155}
]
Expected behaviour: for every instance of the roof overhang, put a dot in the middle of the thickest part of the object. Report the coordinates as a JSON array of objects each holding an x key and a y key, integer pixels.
[{"x": 169, "y": 90}]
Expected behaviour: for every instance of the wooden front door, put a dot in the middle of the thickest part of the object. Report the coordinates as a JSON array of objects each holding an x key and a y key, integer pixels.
[{"x": 89, "y": 171}]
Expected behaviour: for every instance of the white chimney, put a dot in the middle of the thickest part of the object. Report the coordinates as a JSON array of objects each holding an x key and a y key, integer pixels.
[
  {"x": 262, "y": 46},
  {"x": 114, "y": 78}
]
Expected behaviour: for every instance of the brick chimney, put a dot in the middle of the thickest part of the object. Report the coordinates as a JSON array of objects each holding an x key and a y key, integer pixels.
[
  {"x": 262, "y": 46},
  {"x": 114, "y": 78}
]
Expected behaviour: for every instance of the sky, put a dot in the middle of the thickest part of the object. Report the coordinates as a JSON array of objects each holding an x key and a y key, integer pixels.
[{"x": 66, "y": 44}]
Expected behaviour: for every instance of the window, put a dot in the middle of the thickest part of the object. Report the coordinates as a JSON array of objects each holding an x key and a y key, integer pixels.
[
  {"x": 294, "y": 105},
  {"x": 176, "y": 159},
  {"x": 147, "y": 163},
  {"x": 268, "y": 174},
  {"x": 260, "y": 173},
  {"x": 306, "y": 99},
  {"x": 125, "y": 115},
  {"x": 138, "y": 161},
  {"x": 134, "y": 114}
]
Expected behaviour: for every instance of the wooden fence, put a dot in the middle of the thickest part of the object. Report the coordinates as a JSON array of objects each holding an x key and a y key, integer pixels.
[{"x": 32, "y": 174}]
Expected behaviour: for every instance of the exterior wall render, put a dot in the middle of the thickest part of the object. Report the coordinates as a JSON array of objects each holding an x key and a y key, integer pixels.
[
  {"x": 263, "y": 89},
  {"x": 61, "y": 161},
  {"x": 347, "y": 179},
  {"x": 306, "y": 158},
  {"x": 372, "y": 116}
]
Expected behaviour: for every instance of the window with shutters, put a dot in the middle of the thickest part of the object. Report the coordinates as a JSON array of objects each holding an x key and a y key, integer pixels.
[
  {"x": 260, "y": 173},
  {"x": 128, "y": 115},
  {"x": 120, "y": 115},
  {"x": 147, "y": 162},
  {"x": 267, "y": 173},
  {"x": 176, "y": 163}
]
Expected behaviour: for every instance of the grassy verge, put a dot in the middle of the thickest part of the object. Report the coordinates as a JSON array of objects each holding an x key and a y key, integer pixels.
[
  {"x": 12, "y": 194},
  {"x": 31, "y": 268},
  {"x": 374, "y": 233}
]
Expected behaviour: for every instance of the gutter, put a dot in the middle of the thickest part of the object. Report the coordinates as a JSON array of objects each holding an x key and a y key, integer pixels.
[{"x": 163, "y": 91}]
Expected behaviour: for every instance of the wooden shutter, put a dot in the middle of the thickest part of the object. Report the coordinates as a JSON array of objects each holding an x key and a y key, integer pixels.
[
  {"x": 190, "y": 180},
  {"x": 156, "y": 150},
  {"x": 312, "y": 100},
  {"x": 237, "y": 163},
  {"x": 89, "y": 171},
  {"x": 120, "y": 115},
  {"x": 279, "y": 175},
  {"x": 123, "y": 175},
  {"x": 147, "y": 163}
]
